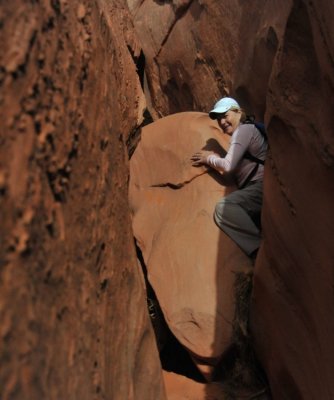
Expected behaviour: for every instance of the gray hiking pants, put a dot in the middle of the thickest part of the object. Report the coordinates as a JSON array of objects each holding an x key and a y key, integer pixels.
[{"x": 238, "y": 215}]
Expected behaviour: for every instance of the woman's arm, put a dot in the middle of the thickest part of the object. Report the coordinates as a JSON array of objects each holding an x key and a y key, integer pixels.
[{"x": 239, "y": 143}]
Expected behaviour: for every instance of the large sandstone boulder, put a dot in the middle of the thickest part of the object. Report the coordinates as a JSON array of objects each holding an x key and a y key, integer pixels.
[
  {"x": 191, "y": 263},
  {"x": 74, "y": 323}
]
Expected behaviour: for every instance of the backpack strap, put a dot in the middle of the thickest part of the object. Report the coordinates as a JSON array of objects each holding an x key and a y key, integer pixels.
[
  {"x": 250, "y": 157},
  {"x": 260, "y": 126},
  {"x": 257, "y": 161}
]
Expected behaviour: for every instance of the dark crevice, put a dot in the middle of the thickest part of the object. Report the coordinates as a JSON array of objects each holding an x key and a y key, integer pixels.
[
  {"x": 240, "y": 370},
  {"x": 179, "y": 13},
  {"x": 140, "y": 65},
  {"x": 2, "y": 74},
  {"x": 176, "y": 186},
  {"x": 55, "y": 4},
  {"x": 170, "y": 185},
  {"x": 134, "y": 136},
  {"x": 154, "y": 310},
  {"x": 19, "y": 72},
  {"x": 48, "y": 25},
  {"x": 174, "y": 357}
]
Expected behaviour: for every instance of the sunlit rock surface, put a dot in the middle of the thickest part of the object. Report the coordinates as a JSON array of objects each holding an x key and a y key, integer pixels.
[{"x": 191, "y": 263}]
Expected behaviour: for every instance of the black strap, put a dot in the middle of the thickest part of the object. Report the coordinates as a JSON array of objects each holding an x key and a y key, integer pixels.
[{"x": 249, "y": 156}]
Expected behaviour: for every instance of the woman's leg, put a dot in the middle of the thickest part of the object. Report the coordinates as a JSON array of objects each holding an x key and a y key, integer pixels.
[{"x": 235, "y": 215}]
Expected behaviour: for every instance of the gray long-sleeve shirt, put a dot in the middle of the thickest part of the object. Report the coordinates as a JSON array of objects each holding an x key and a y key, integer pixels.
[{"x": 245, "y": 138}]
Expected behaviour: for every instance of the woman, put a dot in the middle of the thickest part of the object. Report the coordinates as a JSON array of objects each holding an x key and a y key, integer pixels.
[{"x": 238, "y": 214}]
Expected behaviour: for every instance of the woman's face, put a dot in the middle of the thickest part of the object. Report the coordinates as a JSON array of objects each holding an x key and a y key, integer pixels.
[{"x": 229, "y": 121}]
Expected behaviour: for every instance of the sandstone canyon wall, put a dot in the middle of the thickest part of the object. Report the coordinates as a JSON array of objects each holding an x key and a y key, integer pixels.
[
  {"x": 73, "y": 318},
  {"x": 201, "y": 50},
  {"x": 293, "y": 299},
  {"x": 277, "y": 59},
  {"x": 73, "y": 313}
]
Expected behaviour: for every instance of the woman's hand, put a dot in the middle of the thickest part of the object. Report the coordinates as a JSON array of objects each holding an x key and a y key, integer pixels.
[{"x": 199, "y": 158}]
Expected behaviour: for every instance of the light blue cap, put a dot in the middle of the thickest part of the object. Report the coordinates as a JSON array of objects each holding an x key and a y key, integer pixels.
[{"x": 223, "y": 105}]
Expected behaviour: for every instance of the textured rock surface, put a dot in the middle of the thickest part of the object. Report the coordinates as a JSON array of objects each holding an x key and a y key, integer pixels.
[
  {"x": 69, "y": 101},
  {"x": 72, "y": 308},
  {"x": 219, "y": 46},
  {"x": 191, "y": 264},
  {"x": 293, "y": 308},
  {"x": 277, "y": 58}
]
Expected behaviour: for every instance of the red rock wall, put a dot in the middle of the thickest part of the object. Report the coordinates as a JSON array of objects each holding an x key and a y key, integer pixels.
[
  {"x": 277, "y": 59},
  {"x": 201, "y": 50},
  {"x": 293, "y": 308},
  {"x": 72, "y": 308}
]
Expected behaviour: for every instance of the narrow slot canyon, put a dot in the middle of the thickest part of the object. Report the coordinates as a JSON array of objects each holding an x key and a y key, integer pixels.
[{"x": 115, "y": 281}]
